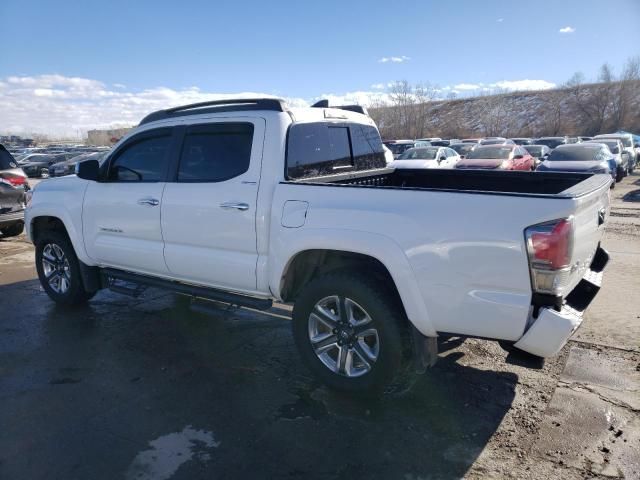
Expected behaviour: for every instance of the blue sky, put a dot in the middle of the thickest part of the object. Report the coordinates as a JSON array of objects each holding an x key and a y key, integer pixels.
[{"x": 306, "y": 49}]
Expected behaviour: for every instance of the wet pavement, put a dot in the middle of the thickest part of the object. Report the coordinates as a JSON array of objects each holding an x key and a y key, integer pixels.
[{"x": 147, "y": 388}]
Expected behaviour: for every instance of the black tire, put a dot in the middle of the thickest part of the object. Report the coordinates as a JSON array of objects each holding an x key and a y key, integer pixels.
[
  {"x": 14, "y": 230},
  {"x": 75, "y": 294},
  {"x": 620, "y": 174},
  {"x": 389, "y": 369}
]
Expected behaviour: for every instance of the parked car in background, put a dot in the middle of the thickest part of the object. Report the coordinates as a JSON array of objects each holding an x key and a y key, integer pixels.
[
  {"x": 13, "y": 189},
  {"x": 618, "y": 153},
  {"x": 427, "y": 157},
  {"x": 583, "y": 139},
  {"x": 422, "y": 143},
  {"x": 470, "y": 140},
  {"x": 522, "y": 141},
  {"x": 463, "y": 148},
  {"x": 582, "y": 157},
  {"x": 497, "y": 141},
  {"x": 388, "y": 154},
  {"x": 538, "y": 152},
  {"x": 37, "y": 164},
  {"x": 429, "y": 139},
  {"x": 68, "y": 167},
  {"x": 498, "y": 157},
  {"x": 551, "y": 142},
  {"x": 398, "y": 147},
  {"x": 627, "y": 144}
]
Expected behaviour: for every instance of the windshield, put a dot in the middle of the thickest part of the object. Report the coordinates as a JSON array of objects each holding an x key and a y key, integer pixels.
[
  {"x": 490, "y": 153},
  {"x": 613, "y": 146},
  {"x": 398, "y": 148},
  {"x": 419, "y": 154},
  {"x": 625, "y": 141},
  {"x": 550, "y": 142},
  {"x": 574, "y": 154},
  {"x": 463, "y": 149},
  {"x": 535, "y": 151}
]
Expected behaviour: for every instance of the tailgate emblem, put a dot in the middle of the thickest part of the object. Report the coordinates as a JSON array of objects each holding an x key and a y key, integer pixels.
[{"x": 601, "y": 214}]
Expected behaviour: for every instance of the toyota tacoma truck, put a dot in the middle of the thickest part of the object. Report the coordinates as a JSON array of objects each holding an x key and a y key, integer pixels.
[{"x": 249, "y": 202}]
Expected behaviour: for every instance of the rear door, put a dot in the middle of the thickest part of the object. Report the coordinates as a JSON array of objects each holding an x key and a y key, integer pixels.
[
  {"x": 121, "y": 213},
  {"x": 209, "y": 206}
]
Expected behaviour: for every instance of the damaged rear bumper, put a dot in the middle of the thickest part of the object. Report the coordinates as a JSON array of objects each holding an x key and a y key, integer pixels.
[{"x": 551, "y": 330}]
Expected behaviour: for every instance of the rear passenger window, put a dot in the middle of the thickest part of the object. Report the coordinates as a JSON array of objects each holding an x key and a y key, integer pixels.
[
  {"x": 142, "y": 159},
  {"x": 215, "y": 152},
  {"x": 323, "y": 148}
]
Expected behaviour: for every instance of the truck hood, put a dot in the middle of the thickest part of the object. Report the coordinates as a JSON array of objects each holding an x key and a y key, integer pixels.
[{"x": 480, "y": 163}]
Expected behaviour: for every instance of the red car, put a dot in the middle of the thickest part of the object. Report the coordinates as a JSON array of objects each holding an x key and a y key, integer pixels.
[{"x": 498, "y": 157}]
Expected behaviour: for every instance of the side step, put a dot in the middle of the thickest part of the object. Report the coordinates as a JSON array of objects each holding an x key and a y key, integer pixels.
[{"x": 111, "y": 274}]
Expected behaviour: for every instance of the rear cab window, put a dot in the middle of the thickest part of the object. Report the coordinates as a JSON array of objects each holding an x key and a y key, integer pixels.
[
  {"x": 325, "y": 148},
  {"x": 7, "y": 161}
]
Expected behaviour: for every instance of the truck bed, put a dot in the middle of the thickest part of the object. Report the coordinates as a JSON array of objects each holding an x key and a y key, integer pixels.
[{"x": 549, "y": 184}]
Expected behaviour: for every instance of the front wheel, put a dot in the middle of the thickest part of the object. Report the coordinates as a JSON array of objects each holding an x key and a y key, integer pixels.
[
  {"x": 620, "y": 174},
  {"x": 350, "y": 331},
  {"x": 59, "y": 271}
]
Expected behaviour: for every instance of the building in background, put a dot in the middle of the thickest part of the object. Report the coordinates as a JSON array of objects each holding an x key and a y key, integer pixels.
[{"x": 106, "y": 137}]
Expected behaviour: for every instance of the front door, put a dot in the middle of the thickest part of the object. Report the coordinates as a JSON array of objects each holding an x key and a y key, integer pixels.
[
  {"x": 209, "y": 207},
  {"x": 121, "y": 213}
]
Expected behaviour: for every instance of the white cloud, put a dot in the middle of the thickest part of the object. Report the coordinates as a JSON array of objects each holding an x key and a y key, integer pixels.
[
  {"x": 523, "y": 85},
  {"x": 467, "y": 86},
  {"x": 567, "y": 30},
  {"x": 400, "y": 59},
  {"x": 500, "y": 20},
  {"x": 119, "y": 85},
  {"x": 63, "y": 106}
]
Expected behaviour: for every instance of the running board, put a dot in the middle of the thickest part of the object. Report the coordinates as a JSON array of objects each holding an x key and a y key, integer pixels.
[{"x": 110, "y": 274}]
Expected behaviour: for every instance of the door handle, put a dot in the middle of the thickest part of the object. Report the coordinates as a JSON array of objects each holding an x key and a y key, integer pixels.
[
  {"x": 234, "y": 206},
  {"x": 152, "y": 202}
]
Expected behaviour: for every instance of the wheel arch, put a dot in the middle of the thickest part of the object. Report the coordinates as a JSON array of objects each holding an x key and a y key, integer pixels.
[{"x": 307, "y": 257}]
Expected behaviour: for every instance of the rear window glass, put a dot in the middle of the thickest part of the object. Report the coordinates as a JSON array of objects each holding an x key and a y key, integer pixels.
[
  {"x": 323, "y": 148},
  {"x": 490, "y": 152},
  {"x": 6, "y": 160},
  {"x": 419, "y": 154},
  {"x": 572, "y": 154}
]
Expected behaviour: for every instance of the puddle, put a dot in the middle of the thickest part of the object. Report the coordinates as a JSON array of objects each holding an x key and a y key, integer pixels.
[{"x": 169, "y": 452}]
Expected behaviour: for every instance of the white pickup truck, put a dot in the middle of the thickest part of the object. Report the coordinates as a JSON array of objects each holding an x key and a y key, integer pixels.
[{"x": 248, "y": 201}]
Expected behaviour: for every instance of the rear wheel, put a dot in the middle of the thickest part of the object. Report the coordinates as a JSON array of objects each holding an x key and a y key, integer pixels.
[
  {"x": 59, "y": 270},
  {"x": 620, "y": 174},
  {"x": 14, "y": 230},
  {"x": 350, "y": 332}
]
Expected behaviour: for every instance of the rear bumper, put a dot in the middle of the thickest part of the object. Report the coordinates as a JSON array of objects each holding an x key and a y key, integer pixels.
[
  {"x": 551, "y": 330},
  {"x": 9, "y": 219}
]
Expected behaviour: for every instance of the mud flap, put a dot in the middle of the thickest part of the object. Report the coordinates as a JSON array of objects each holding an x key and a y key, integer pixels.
[{"x": 425, "y": 351}]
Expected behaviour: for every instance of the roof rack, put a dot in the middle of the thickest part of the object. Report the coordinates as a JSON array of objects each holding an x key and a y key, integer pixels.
[
  {"x": 351, "y": 108},
  {"x": 216, "y": 106}
]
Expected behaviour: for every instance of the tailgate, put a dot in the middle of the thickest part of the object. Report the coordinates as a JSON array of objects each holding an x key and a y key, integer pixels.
[{"x": 592, "y": 211}]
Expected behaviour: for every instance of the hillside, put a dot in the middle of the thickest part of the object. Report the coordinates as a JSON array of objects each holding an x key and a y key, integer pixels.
[{"x": 581, "y": 109}]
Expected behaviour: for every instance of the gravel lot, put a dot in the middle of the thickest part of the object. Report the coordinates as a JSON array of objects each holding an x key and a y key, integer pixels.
[{"x": 147, "y": 388}]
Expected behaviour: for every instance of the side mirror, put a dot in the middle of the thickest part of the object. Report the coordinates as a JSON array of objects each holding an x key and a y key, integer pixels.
[
  {"x": 442, "y": 159},
  {"x": 88, "y": 170}
]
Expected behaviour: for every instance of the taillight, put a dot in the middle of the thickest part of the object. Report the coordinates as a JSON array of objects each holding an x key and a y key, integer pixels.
[
  {"x": 549, "y": 246},
  {"x": 15, "y": 180}
]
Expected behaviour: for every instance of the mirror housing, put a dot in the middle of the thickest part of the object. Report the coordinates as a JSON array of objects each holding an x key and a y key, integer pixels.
[{"x": 88, "y": 170}]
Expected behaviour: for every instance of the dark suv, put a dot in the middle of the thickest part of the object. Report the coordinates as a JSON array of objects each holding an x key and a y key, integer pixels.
[{"x": 13, "y": 189}]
